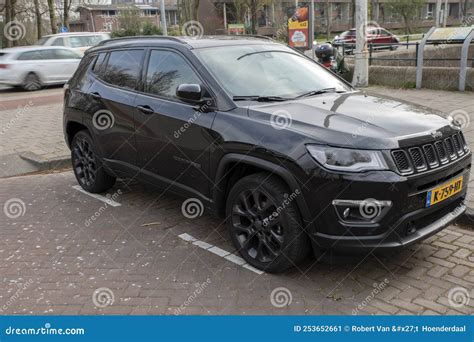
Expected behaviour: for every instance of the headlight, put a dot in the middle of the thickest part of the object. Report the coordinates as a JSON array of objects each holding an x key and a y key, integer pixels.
[{"x": 348, "y": 160}]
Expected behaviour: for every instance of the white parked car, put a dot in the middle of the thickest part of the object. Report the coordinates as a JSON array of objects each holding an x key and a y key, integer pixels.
[
  {"x": 33, "y": 67},
  {"x": 79, "y": 41}
]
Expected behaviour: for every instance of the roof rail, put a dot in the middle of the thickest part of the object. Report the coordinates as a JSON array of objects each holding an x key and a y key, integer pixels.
[{"x": 118, "y": 39}]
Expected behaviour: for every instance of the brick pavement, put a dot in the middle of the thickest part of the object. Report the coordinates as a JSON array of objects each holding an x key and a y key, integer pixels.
[{"x": 52, "y": 261}]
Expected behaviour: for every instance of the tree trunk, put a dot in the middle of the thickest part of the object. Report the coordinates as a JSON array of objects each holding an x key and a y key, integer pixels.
[
  {"x": 464, "y": 9},
  {"x": 7, "y": 42},
  {"x": 196, "y": 10},
  {"x": 52, "y": 16},
  {"x": 66, "y": 6},
  {"x": 353, "y": 8},
  {"x": 253, "y": 12},
  {"x": 328, "y": 20},
  {"x": 39, "y": 23}
]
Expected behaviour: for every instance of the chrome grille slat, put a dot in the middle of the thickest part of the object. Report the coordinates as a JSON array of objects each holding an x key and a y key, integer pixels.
[{"x": 430, "y": 156}]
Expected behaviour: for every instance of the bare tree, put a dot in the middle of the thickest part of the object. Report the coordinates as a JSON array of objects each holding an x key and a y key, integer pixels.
[
  {"x": 39, "y": 23},
  {"x": 407, "y": 9},
  {"x": 52, "y": 16},
  {"x": 66, "y": 8}
]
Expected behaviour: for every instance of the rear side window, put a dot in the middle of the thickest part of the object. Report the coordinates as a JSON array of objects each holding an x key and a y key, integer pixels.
[
  {"x": 99, "y": 65},
  {"x": 123, "y": 68},
  {"x": 58, "y": 42},
  {"x": 76, "y": 42},
  {"x": 78, "y": 79},
  {"x": 65, "y": 54},
  {"x": 166, "y": 71},
  {"x": 30, "y": 56}
]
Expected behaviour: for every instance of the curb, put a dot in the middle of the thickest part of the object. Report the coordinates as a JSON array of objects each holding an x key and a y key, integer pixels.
[
  {"x": 468, "y": 218},
  {"x": 44, "y": 164}
]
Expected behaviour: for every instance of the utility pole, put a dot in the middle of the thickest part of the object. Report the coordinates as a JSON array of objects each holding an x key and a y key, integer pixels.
[
  {"x": 163, "y": 18},
  {"x": 311, "y": 27},
  {"x": 438, "y": 13},
  {"x": 361, "y": 67}
]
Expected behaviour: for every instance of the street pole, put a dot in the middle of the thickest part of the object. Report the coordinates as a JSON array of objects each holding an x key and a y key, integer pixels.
[
  {"x": 311, "y": 33},
  {"x": 163, "y": 18},
  {"x": 438, "y": 13},
  {"x": 446, "y": 13},
  {"x": 361, "y": 67}
]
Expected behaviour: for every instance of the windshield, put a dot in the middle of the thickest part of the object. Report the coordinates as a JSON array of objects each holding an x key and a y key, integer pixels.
[{"x": 266, "y": 71}]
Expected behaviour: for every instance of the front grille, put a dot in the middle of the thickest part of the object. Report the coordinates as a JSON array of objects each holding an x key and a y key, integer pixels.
[{"x": 430, "y": 156}]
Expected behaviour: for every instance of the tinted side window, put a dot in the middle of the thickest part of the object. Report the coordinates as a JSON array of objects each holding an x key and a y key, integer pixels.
[
  {"x": 76, "y": 42},
  {"x": 99, "y": 65},
  {"x": 65, "y": 54},
  {"x": 166, "y": 71},
  {"x": 123, "y": 68},
  {"x": 30, "y": 56},
  {"x": 79, "y": 77},
  {"x": 58, "y": 42}
]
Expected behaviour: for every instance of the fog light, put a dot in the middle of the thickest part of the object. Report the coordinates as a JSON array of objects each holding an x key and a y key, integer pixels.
[{"x": 360, "y": 212}]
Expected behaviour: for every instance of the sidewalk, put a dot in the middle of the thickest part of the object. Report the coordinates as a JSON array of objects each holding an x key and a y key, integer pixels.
[{"x": 32, "y": 135}]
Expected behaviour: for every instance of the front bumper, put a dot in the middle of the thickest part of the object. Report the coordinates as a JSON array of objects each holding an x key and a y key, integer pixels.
[{"x": 406, "y": 222}]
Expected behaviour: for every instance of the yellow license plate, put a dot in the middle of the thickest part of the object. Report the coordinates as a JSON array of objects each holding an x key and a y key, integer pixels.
[{"x": 444, "y": 191}]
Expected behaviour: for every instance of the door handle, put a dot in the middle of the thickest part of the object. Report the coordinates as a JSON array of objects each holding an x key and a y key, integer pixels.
[
  {"x": 96, "y": 95},
  {"x": 146, "y": 109}
]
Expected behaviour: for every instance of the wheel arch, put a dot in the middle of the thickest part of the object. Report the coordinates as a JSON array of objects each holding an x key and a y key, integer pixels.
[
  {"x": 225, "y": 174},
  {"x": 72, "y": 127}
]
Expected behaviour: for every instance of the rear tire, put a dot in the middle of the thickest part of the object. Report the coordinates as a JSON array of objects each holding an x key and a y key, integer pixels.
[
  {"x": 87, "y": 165},
  {"x": 32, "y": 82},
  {"x": 267, "y": 242}
]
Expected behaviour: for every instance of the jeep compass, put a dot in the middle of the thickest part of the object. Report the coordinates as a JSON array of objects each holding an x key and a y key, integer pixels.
[{"x": 291, "y": 156}]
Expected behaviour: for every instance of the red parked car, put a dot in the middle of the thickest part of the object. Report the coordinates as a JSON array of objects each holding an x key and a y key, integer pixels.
[{"x": 380, "y": 37}]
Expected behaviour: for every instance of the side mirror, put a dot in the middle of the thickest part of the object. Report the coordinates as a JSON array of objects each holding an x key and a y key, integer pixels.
[{"x": 191, "y": 93}]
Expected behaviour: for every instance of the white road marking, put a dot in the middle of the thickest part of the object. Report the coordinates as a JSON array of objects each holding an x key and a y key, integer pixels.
[
  {"x": 220, "y": 252},
  {"x": 104, "y": 199}
]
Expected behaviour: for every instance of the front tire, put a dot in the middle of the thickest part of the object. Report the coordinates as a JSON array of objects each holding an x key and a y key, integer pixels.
[
  {"x": 264, "y": 223},
  {"x": 87, "y": 165}
]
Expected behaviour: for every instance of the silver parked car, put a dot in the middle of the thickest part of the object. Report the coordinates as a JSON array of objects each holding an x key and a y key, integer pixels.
[
  {"x": 33, "y": 67},
  {"x": 79, "y": 41}
]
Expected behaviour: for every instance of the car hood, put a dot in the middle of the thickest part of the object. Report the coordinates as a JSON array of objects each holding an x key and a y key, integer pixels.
[{"x": 356, "y": 119}]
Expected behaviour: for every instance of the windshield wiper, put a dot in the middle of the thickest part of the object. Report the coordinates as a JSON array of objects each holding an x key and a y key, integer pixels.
[
  {"x": 260, "y": 98},
  {"x": 319, "y": 92}
]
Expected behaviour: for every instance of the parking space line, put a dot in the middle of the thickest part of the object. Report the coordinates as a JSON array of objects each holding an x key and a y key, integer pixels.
[
  {"x": 104, "y": 199},
  {"x": 219, "y": 252}
]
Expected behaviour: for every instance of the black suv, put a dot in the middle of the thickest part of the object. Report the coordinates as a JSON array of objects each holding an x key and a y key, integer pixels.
[{"x": 289, "y": 154}]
